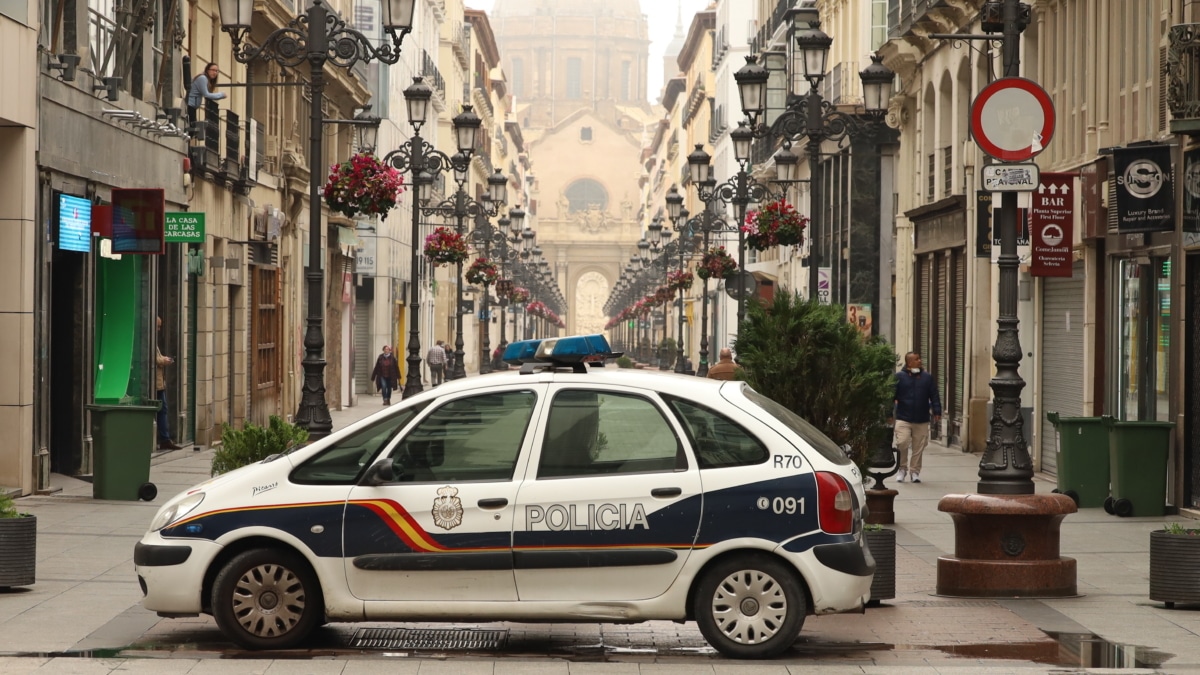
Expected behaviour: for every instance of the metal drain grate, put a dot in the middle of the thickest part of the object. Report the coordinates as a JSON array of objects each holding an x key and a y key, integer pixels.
[
  {"x": 428, "y": 638},
  {"x": 952, "y": 603}
]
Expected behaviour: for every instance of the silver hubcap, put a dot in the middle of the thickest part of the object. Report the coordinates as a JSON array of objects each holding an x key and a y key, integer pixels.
[
  {"x": 749, "y": 607},
  {"x": 268, "y": 600}
]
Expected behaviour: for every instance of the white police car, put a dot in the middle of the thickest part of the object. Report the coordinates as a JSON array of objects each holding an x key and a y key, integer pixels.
[{"x": 556, "y": 493}]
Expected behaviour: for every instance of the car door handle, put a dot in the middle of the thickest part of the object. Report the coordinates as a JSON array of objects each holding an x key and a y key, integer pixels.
[
  {"x": 666, "y": 493},
  {"x": 497, "y": 503}
]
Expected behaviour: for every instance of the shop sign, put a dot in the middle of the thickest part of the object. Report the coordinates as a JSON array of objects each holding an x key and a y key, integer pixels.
[
  {"x": 859, "y": 316},
  {"x": 1145, "y": 194},
  {"x": 1191, "y": 191},
  {"x": 185, "y": 228},
  {"x": 983, "y": 224},
  {"x": 364, "y": 255},
  {"x": 824, "y": 285},
  {"x": 1023, "y": 251},
  {"x": 138, "y": 220},
  {"x": 1052, "y": 221}
]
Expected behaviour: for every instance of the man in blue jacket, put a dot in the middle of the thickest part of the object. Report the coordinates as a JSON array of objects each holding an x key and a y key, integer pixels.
[{"x": 916, "y": 399}]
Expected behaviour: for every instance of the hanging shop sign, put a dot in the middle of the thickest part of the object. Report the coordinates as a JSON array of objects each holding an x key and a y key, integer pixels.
[
  {"x": 1023, "y": 238},
  {"x": 74, "y": 223},
  {"x": 1191, "y": 191},
  {"x": 825, "y": 285},
  {"x": 1052, "y": 226},
  {"x": 1145, "y": 194},
  {"x": 184, "y": 228},
  {"x": 138, "y": 217},
  {"x": 983, "y": 224}
]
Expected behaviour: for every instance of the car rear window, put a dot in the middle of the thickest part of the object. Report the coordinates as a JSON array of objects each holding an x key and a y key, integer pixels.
[{"x": 828, "y": 449}]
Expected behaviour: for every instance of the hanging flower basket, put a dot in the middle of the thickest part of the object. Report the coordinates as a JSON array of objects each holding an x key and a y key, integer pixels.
[
  {"x": 717, "y": 264},
  {"x": 663, "y": 295},
  {"x": 483, "y": 272},
  {"x": 519, "y": 295},
  {"x": 445, "y": 247},
  {"x": 776, "y": 224},
  {"x": 363, "y": 185},
  {"x": 679, "y": 279}
]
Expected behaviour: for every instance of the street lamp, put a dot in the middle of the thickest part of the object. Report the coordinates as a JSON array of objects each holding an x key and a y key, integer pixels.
[
  {"x": 738, "y": 192},
  {"x": 424, "y": 162},
  {"x": 810, "y": 115},
  {"x": 316, "y": 37},
  {"x": 707, "y": 222},
  {"x": 461, "y": 206}
]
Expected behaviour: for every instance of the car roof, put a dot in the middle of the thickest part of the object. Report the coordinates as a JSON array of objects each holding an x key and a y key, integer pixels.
[{"x": 668, "y": 382}]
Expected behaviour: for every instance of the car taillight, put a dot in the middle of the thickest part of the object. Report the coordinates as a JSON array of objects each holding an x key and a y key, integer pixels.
[{"x": 835, "y": 503}]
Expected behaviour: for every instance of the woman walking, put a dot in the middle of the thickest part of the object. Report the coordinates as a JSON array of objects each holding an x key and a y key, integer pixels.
[{"x": 386, "y": 375}]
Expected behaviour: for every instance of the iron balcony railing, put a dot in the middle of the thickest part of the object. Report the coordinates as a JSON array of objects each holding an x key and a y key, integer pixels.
[{"x": 1183, "y": 77}]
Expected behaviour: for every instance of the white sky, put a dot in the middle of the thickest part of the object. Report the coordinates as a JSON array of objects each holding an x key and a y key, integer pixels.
[{"x": 662, "y": 16}]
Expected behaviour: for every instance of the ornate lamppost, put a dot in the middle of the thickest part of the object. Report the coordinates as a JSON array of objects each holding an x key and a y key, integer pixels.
[
  {"x": 811, "y": 115},
  {"x": 486, "y": 235},
  {"x": 461, "y": 206},
  {"x": 317, "y": 38},
  {"x": 509, "y": 255},
  {"x": 424, "y": 162}
]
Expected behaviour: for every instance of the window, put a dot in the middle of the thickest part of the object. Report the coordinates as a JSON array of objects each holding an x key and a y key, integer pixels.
[
  {"x": 602, "y": 433},
  {"x": 574, "y": 78},
  {"x": 585, "y": 194},
  {"x": 585, "y": 133},
  {"x": 344, "y": 462},
  {"x": 476, "y": 438},
  {"x": 818, "y": 440},
  {"x": 879, "y": 23},
  {"x": 718, "y": 441},
  {"x": 518, "y": 78}
]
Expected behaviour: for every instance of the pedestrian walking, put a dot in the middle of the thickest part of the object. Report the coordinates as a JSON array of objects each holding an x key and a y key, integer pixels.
[
  {"x": 436, "y": 358},
  {"x": 160, "y": 385},
  {"x": 202, "y": 89},
  {"x": 915, "y": 403},
  {"x": 386, "y": 375},
  {"x": 725, "y": 368}
]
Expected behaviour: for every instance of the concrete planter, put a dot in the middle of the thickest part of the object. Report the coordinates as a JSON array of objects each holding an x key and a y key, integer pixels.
[
  {"x": 18, "y": 551},
  {"x": 882, "y": 544},
  {"x": 1174, "y": 568}
]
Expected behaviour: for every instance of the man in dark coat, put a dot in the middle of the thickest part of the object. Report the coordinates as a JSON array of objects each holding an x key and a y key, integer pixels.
[{"x": 916, "y": 401}]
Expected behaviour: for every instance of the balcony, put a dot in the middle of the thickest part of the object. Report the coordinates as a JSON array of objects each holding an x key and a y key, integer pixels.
[
  {"x": 1183, "y": 78},
  {"x": 762, "y": 40},
  {"x": 433, "y": 77},
  {"x": 226, "y": 163}
]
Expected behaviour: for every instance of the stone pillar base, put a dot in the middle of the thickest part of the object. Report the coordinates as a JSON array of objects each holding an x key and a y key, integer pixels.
[
  {"x": 1006, "y": 546},
  {"x": 880, "y": 509}
]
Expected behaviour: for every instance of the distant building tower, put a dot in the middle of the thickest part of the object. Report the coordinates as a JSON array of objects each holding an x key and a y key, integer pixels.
[
  {"x": 577, "y": 71},
  {"x": 671, "y": 55}
]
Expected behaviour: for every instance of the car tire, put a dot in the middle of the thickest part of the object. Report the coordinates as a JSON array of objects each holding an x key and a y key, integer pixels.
[
  {"x": 750, "y": 607},
  {"x": 267, "y": 599}
]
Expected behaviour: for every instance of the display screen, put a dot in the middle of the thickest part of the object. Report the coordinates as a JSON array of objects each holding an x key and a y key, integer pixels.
[
  {"x": 74, "y": 223},
  {"x": 138, "y": 217}
]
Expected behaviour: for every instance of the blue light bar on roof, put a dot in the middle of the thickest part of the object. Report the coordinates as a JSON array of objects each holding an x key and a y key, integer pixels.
[{"x": 563, "y": 350}]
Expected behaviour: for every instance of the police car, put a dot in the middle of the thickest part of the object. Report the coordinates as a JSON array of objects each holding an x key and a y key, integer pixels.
[{"x": 563, "y": 492}]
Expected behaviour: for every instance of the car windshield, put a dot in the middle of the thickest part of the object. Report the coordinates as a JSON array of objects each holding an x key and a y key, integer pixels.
[{"x": 814, "y": 436}]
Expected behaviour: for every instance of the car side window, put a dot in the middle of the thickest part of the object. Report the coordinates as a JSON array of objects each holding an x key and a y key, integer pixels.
[
  {"x": 719, "y": 441},
  {"x": 468, "y": 439},
  {"x": 603, "y": 433},
  {"x": 343, "y": 462}
]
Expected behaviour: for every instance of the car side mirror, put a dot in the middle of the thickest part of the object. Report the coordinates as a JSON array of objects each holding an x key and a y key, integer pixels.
[{"x": 380, "y": 473}]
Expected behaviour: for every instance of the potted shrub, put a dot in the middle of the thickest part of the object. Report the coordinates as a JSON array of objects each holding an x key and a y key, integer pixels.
[
  {"x": 18, "y": 545},
  {"x": 881, "y": 542},
  {"x": 254, "y": 443},
  {"x": 1175, "y": 564}
]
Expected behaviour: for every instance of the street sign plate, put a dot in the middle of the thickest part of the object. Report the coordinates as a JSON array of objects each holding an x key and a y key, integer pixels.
[
  {"x": 1012, "y": 119},
  {"x": 1010, "y": 177},
  {"x": 744, "y": 284}
]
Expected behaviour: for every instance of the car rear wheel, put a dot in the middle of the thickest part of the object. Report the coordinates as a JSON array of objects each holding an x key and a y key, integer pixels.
[
  {"x": 750, "y": 607},
  {"x": 267, "y": 599}
]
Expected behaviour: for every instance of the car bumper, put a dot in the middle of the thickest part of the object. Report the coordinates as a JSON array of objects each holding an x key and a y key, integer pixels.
[
  {"x": 171, "y": 573},
  {"x": 839, "y": 575}
]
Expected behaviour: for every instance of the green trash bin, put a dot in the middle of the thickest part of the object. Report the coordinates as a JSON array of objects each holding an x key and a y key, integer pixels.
[
  {"x": 1137, "y": 454},
  {"x": 1082, "y": 459},
  {"x": 122, "y": 442}
]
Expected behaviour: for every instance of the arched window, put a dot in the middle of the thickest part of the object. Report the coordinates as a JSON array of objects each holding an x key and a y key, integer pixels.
[{"x": 585, "y": 194}]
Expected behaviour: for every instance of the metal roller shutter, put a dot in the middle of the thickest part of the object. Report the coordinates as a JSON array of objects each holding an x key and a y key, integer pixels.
[
  {"x": 954, "y": 400},
  {"x": 938, "y": 364},
  {"x": 364, "y": 356},
  {"x": 924, "y": 305},
  {"x": 1062, "y": 356}
]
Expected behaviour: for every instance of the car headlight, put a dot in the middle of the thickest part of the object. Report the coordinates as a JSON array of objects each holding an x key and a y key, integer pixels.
[{"x": 174, "y": 511}]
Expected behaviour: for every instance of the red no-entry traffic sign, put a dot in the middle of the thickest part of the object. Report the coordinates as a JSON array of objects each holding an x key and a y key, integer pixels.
[{"x": 1012, "y": 119}]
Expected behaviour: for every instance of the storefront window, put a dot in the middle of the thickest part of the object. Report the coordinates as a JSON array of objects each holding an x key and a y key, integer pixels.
[{"x": 1142, "y": 340}]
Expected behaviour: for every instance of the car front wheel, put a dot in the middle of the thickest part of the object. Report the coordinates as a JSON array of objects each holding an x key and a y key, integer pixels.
[
  {"x": 267, "y": 599},
  {"x": 750, "y": 607}
]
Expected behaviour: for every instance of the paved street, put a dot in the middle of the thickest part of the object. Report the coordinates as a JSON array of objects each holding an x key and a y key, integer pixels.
[{"x": 84, "y": 613}]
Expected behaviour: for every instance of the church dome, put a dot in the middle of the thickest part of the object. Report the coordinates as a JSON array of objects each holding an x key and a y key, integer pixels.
[{"x": 619, "y": 8}]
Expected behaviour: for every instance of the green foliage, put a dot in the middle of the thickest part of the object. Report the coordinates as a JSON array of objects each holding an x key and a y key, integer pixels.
[
  {"x": 624, "y": 362},
  {"x": 1177, "y": 528},
  {"x": 805, "y": 356},
  {"x": 254, "y": 443},
  {"x": 667, "y": 349},
  {"x": 8, "y": 509}
]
